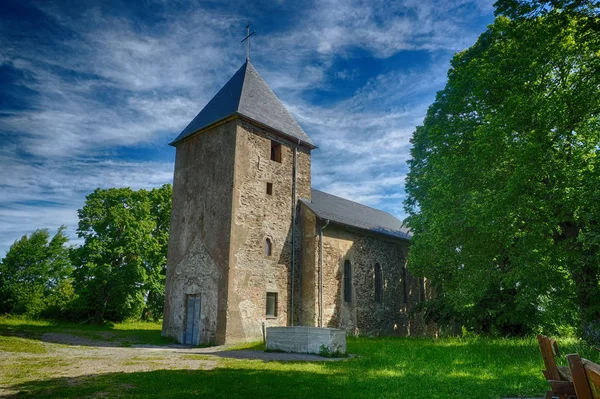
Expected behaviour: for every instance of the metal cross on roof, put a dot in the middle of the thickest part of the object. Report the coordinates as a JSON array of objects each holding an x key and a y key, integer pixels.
[{"x": 248, "y": 34}]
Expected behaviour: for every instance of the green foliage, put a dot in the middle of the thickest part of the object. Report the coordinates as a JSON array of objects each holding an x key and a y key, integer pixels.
[
  {"x": 521, "y": 9},
  {"x": 60, "y": 301},
  {"x": 32, "y": 270},
  {"x": 29, "y": 300},
  {"x": 120, "y": 334},
  {"x": 120, "y": 268},
  {"x": 160, "y": 212},
  {"x": 325, "y": 352},
  {"x": 503, "y": 186}
]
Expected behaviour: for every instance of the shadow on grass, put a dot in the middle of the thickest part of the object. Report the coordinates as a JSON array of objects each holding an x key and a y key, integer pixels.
[
  {"x": 232, "y": 383},
  {"x": 84, "y": 334},
  {"x": 262, "y": 355},
  {"x": 383, "y": 368}
]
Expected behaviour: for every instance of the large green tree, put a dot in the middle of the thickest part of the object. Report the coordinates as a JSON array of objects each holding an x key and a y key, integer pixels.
[
  {"x": 503, "y": 188},
  {"x": 120, "y": 268},
  {"x": 33, "y": 270}
]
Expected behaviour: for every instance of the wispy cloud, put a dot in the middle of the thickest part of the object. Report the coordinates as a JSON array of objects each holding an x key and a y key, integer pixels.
[
  {"x": 364, "y": 140},
  {"x": 382, "y": 27},
  {"x": 47, "y": 194},
  {"x": 91, "y": 96},
  {"x": 109, "y": 83}
]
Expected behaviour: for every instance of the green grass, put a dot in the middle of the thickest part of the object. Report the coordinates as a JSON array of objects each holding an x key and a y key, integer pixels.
[
  {"x": 258, "y": 346},
  {"x": 21, "y": 345},
  {"x": 462, "y": 368},
  {"x": 122, "y": 334}
]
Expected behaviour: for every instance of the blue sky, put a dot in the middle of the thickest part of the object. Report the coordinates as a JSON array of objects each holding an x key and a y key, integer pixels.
[{"x": 91, "y": 92}]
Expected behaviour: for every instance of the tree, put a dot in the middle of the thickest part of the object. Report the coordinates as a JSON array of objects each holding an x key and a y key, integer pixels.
[
  {"x": 120, "y": 268},
  {"x": 32, "y": 269},
  {"x": 160, "y": 212},
  {"x": 503, "y": 192},
  {"x": 526, "y": 9}
]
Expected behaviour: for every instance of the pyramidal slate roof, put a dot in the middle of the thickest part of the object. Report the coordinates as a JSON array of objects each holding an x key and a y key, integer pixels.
[
  {"x": 247, "y": 95},
  {"x": 349, "y": 213}
]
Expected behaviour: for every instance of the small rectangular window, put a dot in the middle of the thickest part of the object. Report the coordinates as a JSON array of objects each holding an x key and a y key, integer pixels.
[
  {"x": 275, "y": 151},
  {"x": 404, "y": 285},
  {"x": 271, "y": 304},
  {"x": 270, "y": 188}
]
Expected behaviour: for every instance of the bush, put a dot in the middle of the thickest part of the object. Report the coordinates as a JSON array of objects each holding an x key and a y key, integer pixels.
[{"x": 60, "y": 302}]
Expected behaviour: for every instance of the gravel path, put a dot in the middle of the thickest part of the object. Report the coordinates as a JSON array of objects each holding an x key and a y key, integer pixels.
[
  {"x": 111, "y": 349},
  {"x": 69, "y": 356}
]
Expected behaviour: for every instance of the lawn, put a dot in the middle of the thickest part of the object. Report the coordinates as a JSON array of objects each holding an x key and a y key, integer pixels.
[
  {"x": 381, "y": 368},
  {"x": 125, "y": 333}
]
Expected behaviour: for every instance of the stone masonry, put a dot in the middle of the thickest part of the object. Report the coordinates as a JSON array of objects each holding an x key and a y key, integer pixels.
[
  {"x": 256, "y": 217},
  {"x": 230, "y": 260},
  {"x": 221, "y": 220},
  {"x": 198, "y": 260},
  {"x": 393, "y": 314}
]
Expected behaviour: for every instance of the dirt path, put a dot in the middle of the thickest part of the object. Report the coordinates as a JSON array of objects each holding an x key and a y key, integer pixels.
[
  {"x": 110, "y": 349},
  {"x": 71, "y": 356}
]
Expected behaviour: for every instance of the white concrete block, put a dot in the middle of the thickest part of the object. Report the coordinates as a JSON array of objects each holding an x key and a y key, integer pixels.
[{"x": 301, "y": 339}]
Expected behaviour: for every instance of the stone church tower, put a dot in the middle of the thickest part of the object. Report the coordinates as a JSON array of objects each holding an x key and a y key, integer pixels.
[
  {"x": 241, "y": 165},
  {"x": 242, "y": 199}
]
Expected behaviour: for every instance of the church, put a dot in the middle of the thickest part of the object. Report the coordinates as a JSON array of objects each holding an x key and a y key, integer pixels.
[{"x": 253, "y": 245}]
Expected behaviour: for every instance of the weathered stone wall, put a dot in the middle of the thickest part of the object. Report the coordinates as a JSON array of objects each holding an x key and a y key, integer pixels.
[
  {"x": 256, "y": 217},
  {"x": 363, "y": 250},
  {"x": 198, "y": 254},
  {"x": 222, "y": 216}
]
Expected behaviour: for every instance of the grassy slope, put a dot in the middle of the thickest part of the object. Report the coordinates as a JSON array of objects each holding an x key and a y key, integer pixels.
[
  {"x": 126, "y": 333},
  {"x": 382, "y": 368}
]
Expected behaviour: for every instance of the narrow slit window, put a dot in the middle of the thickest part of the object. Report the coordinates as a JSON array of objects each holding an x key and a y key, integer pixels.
[
  {"x": 268, "y": 247},
  {"x": 347, "y": 281},
  {"x": 275, "y": 151},
  {"x": 404, "y": 285},
  {"x": 422, "y": 289},
  {"x": 270, "y": 188},
  {"x": 378, "y": 283},
  {"x": 271, "y": 304}
]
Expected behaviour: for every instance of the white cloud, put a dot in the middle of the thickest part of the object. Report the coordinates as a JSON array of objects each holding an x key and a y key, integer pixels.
[
  {"x": 48, "y": 194},
  {"x": 114, "y": 82},
  {"x": 364, "y": 140},
  {"x": 383, "y": 27}
]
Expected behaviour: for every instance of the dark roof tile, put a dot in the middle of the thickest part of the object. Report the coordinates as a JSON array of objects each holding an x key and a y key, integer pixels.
[
  {"x": 247, "y": 94},
  {"x": 349, "y": 213}
]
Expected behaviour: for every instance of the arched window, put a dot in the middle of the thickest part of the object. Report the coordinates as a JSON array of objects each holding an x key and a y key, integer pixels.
[
  {"x": 378, "y": 283},
  {"x": 347, "y": 281},
  {"x": 268, "y": 247}
]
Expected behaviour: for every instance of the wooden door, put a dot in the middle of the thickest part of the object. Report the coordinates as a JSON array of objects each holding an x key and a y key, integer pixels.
[{"x": 192, "y": 317}]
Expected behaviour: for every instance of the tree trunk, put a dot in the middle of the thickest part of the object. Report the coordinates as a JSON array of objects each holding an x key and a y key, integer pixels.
[
  {"x": 98, "y": 317},
  {"x": 588, "y": 298},
  {"x": 586, "y": 278}
]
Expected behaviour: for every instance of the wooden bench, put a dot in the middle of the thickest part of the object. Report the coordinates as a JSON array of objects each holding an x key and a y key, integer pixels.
[
  {"x": 586, "y": 377},
  {"x": 559, "y": 377}
]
